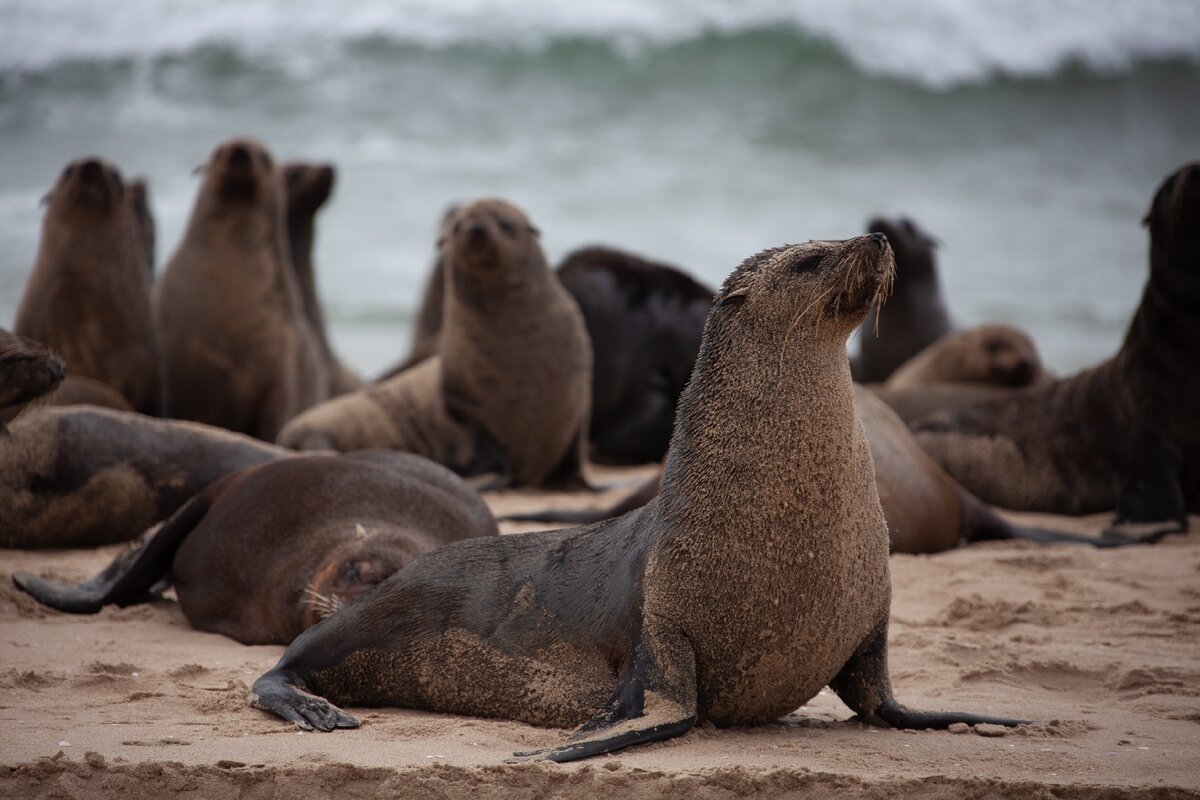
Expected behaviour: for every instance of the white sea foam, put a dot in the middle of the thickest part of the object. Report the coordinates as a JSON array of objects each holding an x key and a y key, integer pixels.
[{"x": 937, "y": 43}]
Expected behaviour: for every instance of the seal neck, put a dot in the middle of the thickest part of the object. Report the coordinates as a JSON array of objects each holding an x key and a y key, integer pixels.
[{"x": 762, "y": 434}]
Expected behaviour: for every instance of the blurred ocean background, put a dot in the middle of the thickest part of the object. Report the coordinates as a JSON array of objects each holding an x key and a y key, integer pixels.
[{"x": 1028, "y": 135}]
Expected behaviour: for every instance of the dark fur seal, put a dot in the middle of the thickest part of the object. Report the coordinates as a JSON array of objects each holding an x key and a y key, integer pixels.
[
  {"x": 28, "y": 370},
  {"x": 1120, "y": 435},
  {"x": 267, "y": 552},
  {"x": 916, "y": 314},
  {"x": 239, "y": 351},
  {"x": 308, "y": 189},
  {"x": 758, "y": 576},
  {"x": 926, "y": 510},
  {"x": 509, "y": 389},
  {"x": 82, "y": 476},
  {"x": 88, "y": 297},
  {"x": 645, "y": 320}
]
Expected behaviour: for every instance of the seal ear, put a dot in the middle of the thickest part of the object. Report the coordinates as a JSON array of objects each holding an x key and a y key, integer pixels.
[
  {"x": 534, "y": 230},
  {"x": 199, "y": 169},
  {"x": 46, "y": 198}
]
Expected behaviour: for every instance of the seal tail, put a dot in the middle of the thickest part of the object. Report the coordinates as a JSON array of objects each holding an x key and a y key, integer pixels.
[
  {"x": 132, "y": 576},
  {"x": 982, "y": 524}
]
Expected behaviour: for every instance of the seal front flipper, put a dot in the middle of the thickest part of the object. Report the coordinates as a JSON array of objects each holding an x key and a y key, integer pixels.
[
  {"x": 1151, "y": 503},
  {"x": 280, "y": 693},
  {"x": 864, "y": 685},
  {"x": 655, "y": 699}
]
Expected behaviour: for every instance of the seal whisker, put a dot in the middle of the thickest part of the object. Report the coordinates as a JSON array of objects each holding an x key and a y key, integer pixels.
[{"x": 796, "y": 319}]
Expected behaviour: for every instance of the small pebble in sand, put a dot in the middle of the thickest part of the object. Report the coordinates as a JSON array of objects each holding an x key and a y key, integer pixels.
[
  {"x": 64, "y": 743},
  {"x": 987, "y": 729},
  {"x": 959, "y": 727}
]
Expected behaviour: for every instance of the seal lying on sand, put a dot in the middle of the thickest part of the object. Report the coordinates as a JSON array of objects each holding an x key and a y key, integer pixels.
[
  {"x": 926, "y": 510},
  {"x": 82, "y": 476},
  {"x": 1000, "y": 355},
  {"x": 758, "y": 576},
  {"x": 264, "y": 553},
  {"x": 28, "y": 370},
  {"x": 308, "y": 188},
  {"x": 645, "y": 320},
  {"x": 1122, "y": 434},
  {"x": 916, "y": 315},
  {"x": 509, "y": 389},
  {"x": 88, "y": 297},
  {"x": 238, "y": 349}
]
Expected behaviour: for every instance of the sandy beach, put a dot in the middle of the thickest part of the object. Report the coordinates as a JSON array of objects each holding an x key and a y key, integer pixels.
[{"x": 1100, "y": 647}]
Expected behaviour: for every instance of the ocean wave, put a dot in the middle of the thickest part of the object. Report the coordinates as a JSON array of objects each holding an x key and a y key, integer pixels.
[{"x": 935, "y": 43}]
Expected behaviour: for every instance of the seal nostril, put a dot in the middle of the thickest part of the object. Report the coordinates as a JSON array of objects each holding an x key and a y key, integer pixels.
[{"x": 239, "y": 155}]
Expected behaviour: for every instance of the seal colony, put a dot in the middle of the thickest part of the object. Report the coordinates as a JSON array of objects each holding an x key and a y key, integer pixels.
[
  {"x": 266, "y": 552},
  {"x": 1120, "y": 435},
  {"x": 756, "y": 577}
]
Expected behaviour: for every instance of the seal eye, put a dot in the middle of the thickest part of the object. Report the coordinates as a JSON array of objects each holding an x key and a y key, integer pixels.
[
  {"x": 807, "y": 264},
  {"x": 508, "y": 228}
]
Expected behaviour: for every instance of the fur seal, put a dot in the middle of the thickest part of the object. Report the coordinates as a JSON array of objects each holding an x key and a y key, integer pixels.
[
  {"x": 1000, "y": 355},
  {"x": 269, "y": 551},
  {"x": 308, "y": 188},
  {"x": 916, "y": 313},
  {"x": 238, "y": 350},
  {"x": 1122, "y": 434},
  {"x": 757, "y": 576},
  {"x": 82, "y": 476},
  {"x": 509, "y": 389},
  {"x": 28, "y": 370},
  {"x": 88, "y": 296},
  {"x": 926, "y": 510},
  {"x": 645, "y": 320}
]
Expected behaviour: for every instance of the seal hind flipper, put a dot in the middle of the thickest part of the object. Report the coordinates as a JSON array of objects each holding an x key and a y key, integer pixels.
[
  {"x": 985, "y": 525},
  {"x": 133, "y": 575},
  {"x": 864, "y": 686},
  {"x": 1151, "y": 503},
  {"x": 655, "y": 699}
]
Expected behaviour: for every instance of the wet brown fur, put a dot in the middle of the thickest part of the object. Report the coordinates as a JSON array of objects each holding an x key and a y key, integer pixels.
[
  {"x": 88, "y": 296},
  {"x": 763, "y": 564},
  {"x": 509, "y": 389},
  {"x": 1085, "y": 443},
  {"x": 82, "y": 476},
  {"x": 28, "y": 371},
  {"x": 239, "y": 351},
  {"x": 267, "y": 552},
  {"x": 308, "y": 189}
]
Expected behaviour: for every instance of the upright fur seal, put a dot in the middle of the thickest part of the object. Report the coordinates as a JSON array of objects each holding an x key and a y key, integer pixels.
[
  {"x": 28, "y": 370},
  {"x": 645, "y": 320},
  {"x": 916, "y": 314},
  {"x": 264, "y": 553},
  {"x": 926, "y": 510},
  {"x": 238, "y": 350},
  {"x": 759, "y": 574},
  {"x": 82, "y": 476},
  {"x": 1122, "y": 434},
  {"x": 509, "y": 388},
  {"x": 308, "y": 188},
  {"x": 88, "y": 297}
]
